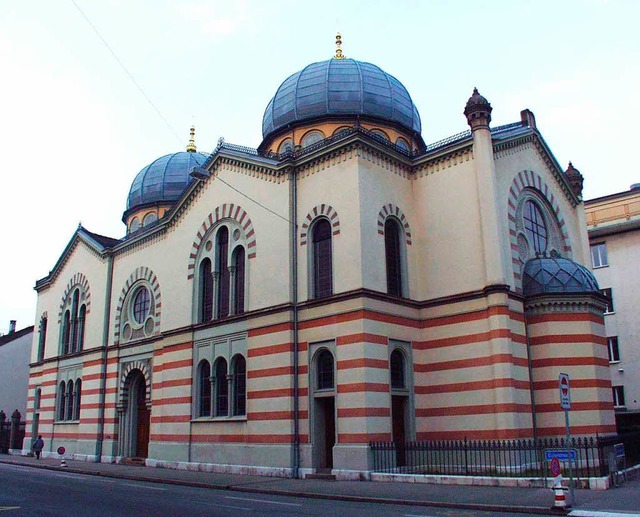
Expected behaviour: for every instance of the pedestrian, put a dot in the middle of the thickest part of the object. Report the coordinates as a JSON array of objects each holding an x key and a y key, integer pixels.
[{"x": 38, "y": 445}]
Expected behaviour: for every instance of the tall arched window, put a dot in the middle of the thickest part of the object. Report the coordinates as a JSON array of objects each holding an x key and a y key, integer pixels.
[
  {"x": 206, "y": 291},
  {"x": 78, "y": 397},
  {"x": 37, "y": 399},
  {"x": 81, "y": 317},
  {"x": 222, "y": 268},
  {"x": 239, "y": 368},
  {"x": 324, "y": 368},
  {"x": 535, "y": 227},
  {"x": 74, "y": 321},
  {"x": 62, "y": 396},
  {"x": 204, "y": 389},
  {"x": 393, "y": 257},
  {"x": 222, "y": 388},
  {"x": 397, "y": 370},
  {"x": 66, "y": 333},
  {"x": 238, "y": 281},
  {"x": 70, "y": 400},
  {"x": 42, "y": 338},
  {"x": 322, "y": 259}
]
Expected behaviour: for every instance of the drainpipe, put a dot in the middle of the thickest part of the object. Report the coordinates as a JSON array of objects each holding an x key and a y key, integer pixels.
[
  {"x": 294, "y": 279},
  {"x": 103, "y": 373},
  {"x": 531, "y": 390}
]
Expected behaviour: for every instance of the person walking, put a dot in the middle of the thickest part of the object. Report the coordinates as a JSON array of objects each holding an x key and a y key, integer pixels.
[{"x": 38, "y": 445}]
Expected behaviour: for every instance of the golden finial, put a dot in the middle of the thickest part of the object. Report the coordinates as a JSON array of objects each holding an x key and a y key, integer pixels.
[
  {"x": 338, "y": 49},
  {"x": 191, "y": 146}
]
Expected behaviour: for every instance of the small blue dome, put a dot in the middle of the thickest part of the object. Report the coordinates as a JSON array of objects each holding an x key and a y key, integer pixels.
[
  {"x": 549, "y": 275},
  {"x": 340, "y": 87},
  {"x": 164, "y": 179}
]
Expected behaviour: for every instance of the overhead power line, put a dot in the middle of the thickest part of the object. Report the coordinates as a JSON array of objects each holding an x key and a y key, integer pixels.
[{"x": 133, "y": 79}]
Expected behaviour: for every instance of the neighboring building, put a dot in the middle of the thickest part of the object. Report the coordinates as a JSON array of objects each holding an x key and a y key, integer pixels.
[
  {"x": 15, "y": 353},
  {"x": 438, "y": 293},
  {"x": 614, "y": 234}
]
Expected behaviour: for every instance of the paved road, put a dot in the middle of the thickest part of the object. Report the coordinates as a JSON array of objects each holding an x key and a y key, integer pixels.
[{"x": 27, "y": 491}]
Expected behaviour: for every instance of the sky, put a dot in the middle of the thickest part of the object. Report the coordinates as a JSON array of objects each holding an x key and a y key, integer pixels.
[{"x": 79, "y": 118}]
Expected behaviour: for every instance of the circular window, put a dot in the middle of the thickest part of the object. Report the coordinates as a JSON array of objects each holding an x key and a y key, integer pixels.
[
  {"x": 141, "y": 305},
  {"x": 535, "y": 227}
]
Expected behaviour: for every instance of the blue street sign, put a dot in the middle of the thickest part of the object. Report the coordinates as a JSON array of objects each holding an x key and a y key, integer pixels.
[
  {"x": 619, "y": 448},
  {"x": 561, "y": 454}
]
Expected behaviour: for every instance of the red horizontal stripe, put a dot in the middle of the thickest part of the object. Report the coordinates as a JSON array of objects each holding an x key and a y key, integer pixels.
[
  {"x": 170, "y": 419},
  {"x": 358, "y": 387},
  {"x": 173, "y": 365},
  {"x": 270, "y": 372},
  {"x": 473, "y": 386},
  {"x": 270, "y": 350},
  {"x": 173, "y": 382},
  {"x": 362, "y": 363},
  {"x": 480, "y": 409},
  {"x": 570, "y": 361},
  {"x": 577, "y": 429},
  {"x": 358, "y": 412},
  {"x": 362, "y": 337},
  {"x": 584, "y": 316},
  {"x": 463, "y": 340},
  {"x": 476, "y": 434},
  {"x": 471, "y": 363},
  {"x": 363, "y": 437},
  {"x": 575, "y": 406},
  {"x": 270, "y": 329},
  {"x": 170, "y": 349},
  {"x": 575, "y": 383},
  {"x": 267, "y": 394},
  {"x": 172, "y": 400},
  {"x": 567, "y": 338}
]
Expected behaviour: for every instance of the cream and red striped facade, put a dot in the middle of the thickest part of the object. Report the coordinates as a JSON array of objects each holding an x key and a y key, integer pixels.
[{"x": 483, "y": 361}]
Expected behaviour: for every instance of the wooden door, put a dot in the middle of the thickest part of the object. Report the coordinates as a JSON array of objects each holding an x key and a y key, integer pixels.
[
  {"x": 142, "y": 436},
  {"x": 329, "y": 430},
  {"x": 398, "y": 427}
]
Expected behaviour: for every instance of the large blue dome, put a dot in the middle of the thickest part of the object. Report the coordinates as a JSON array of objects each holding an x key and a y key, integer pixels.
[
  {"x": 555, "y": 275},
  {"x": 164, "y": 179},
  {"x": 340, "y": 87}
]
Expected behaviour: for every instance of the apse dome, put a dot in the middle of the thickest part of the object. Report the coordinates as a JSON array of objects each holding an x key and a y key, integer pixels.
[
  {"x": 164, "y": 179},
  {"x": 340, "y": 87},
  {"x": 555, "y": 275}
]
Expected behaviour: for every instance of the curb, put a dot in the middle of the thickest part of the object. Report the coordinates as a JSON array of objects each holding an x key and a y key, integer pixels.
[{"x": 536, "y": 510}]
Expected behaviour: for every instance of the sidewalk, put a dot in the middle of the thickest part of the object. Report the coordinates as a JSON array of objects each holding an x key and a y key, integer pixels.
[{"x": 624, "y": 500}]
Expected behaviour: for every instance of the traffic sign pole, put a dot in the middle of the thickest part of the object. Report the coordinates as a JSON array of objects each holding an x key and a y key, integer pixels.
[{"x": 565, "y": 403}]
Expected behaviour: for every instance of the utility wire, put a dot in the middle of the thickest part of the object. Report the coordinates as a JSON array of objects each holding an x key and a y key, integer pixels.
[
  {"x": 160, "y": 114},
  {"x": 251, "y": 199},
  {"x": 133, "y": 80}
]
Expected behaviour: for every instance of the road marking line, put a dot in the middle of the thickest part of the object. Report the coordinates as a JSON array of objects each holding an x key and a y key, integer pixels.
[
  {"x": 233, "y": 507},
  {"x": 147, "y": 487},
  {"x": 261, "y": 501},
  {"x": 5, "y": 508}
]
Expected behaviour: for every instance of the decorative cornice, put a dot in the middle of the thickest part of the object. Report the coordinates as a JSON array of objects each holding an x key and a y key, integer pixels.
[{"x": 592, "y": 303}]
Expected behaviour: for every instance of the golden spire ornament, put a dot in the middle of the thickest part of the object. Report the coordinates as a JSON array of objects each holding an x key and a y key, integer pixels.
[
  {"x": 339, "y": 54},
  {"x": 191, "y": 146}
]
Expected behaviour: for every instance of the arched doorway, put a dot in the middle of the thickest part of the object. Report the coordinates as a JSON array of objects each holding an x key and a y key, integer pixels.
[
  {"x": 324, "y": 410},
  {"x": 136, "y": 417}
]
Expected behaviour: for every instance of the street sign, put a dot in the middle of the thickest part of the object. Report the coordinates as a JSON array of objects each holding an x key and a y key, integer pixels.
[
  {"x": 61, "y": 450},
  {"x": 619, "y": 448},
  {"x": 555, "y": 467},
  {"x": 560, "y": 454},
  {"x": 565, "y": 393}
]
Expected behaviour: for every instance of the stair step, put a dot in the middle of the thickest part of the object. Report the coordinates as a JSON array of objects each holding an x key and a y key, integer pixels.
[{"x": 321, "y": 475}]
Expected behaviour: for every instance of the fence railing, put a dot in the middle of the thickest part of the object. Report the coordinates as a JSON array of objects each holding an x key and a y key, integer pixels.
[{"x": 503, "y": 458}]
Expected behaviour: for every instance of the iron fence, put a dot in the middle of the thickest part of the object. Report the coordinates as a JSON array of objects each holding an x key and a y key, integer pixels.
[{"x": 503, "y": 458}]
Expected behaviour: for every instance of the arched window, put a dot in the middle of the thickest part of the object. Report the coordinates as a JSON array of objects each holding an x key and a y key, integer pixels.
[
  {"x": 397, "y": 370},
  {"x": 62, "y": 396},
  {"x": 222, "y": 388},
  {"x": 37, "y": 399},
  {"x": 311, "y": 138},
  {"x": 324, "y": 366},
  {"x": 238, "y": 281},
  {"x": 222, "y": 268},
  {"x": 141, "y": 305},
  {"x": 81, "y": 317},
  {"x": 341, "y": 129},
  {"x": 74, "y": 321},
  {"x": 285, "y": 146},
  {"x": 42, "y": 338},
  {"x": 151, "y": 217},
  {"x": 204, "y": 389},
  {"x": 206, "y": 291},
  {"x": 78, "y": 396},
  {"x": 239, "y": 366},
  {"x": 70, "y": 400},
  {"x": 380, "y": 134},
  {"x": 322, "y": 259},
  {"x": 135, "y": 225},
  {"x": 66, "y": 332},
  {"x": 393, "y": 257},
  {"x": 402, "y": 144},
  {"x": 535, "y": 227}
]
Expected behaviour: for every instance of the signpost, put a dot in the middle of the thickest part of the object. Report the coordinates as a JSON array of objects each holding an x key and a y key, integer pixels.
[
  {"x": 565, "y": 403},
  {"x": 560, "y": 454}
]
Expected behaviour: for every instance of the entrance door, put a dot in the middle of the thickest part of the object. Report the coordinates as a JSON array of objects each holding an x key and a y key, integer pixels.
[
  {"x": 325, "y": 432},
  {"x": 398, "y": 428},
  {"x": 143, "y": 420}
]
